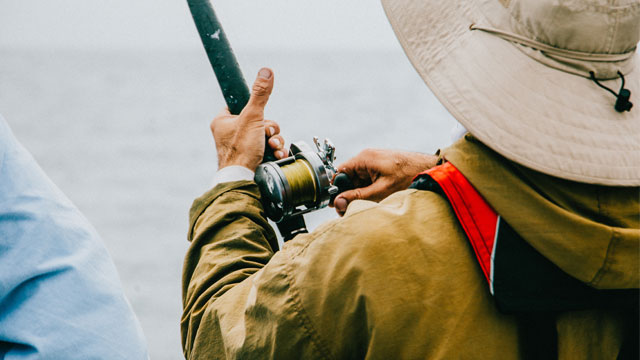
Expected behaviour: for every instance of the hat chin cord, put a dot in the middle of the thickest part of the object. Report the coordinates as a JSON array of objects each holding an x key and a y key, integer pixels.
[
  {"x": 622, "y": 103},
  {"x": 623, "y": 96}
]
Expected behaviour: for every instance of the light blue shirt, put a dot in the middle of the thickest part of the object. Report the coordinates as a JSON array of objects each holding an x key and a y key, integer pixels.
[{"x": 60, "y": 295}]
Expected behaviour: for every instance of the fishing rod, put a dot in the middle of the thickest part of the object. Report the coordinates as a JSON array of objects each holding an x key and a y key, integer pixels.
[
  {"x": 223, "y": 60},
  {"x": 290, "y": 187}
]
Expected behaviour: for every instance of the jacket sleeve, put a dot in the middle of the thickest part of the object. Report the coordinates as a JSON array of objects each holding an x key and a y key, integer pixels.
[{"x": 237, "y": 298}]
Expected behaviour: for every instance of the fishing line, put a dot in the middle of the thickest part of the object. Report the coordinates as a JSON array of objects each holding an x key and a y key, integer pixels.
[{"x": 301, "y": 179}]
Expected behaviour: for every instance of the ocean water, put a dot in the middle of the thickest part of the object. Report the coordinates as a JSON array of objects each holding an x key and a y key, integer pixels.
[{"x": 125, "y": 134}]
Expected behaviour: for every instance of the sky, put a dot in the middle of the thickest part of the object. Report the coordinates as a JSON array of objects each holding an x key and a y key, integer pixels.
[{"x": 167, "y": 24}]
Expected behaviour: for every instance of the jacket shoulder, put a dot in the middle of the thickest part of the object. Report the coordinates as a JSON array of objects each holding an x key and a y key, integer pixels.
[
  {"x": 373, "y": 270},
  {"x": 370, "y": 231}
]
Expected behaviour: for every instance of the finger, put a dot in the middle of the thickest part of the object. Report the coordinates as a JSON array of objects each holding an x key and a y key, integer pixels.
[
  {"x": 261, "y": 90},
  {"x": 348, "y": 167},
  {"x": 358, "y": 174},
  {"x": 271, "y": 127},
  {"x": 280, "y": 154},
  {"x": 374, "y": 192},
  {"x": 276, "y": 142},
  {"x": 340, "y": 205},
  {"x": 357, "y": 167},
  {"x": 353, "y": 169}
]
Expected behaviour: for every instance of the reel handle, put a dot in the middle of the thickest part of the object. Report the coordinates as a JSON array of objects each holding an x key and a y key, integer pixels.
[{"x": 343, "y": 182}]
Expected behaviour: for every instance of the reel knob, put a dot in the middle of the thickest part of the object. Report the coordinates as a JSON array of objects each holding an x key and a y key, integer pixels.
[{"x": 272, "y": 185}]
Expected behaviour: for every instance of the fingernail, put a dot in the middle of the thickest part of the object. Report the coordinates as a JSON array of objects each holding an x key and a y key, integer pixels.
[
  {"x": 340, "y": 204},
  {"x": 279, "y": 154},
  {"x": 275, "y": 142},
  {"x": 272, "y": 130},
  {"x": 264, "y": 73}
]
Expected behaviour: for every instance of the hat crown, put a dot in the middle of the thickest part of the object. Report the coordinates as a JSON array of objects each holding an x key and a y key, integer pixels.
[{"x": 590, "y": 26}]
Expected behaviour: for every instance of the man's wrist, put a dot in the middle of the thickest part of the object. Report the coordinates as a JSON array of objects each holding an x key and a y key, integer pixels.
[{"x": 232, "y": 173}]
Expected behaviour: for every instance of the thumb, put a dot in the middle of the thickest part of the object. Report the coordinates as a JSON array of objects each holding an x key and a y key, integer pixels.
[
  {"x": 261, "y": 90},
  {"x": 374, "y": 192}
]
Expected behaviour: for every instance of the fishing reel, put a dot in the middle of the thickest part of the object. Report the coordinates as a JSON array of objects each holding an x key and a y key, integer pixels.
[{"x": 299, "y": 183}]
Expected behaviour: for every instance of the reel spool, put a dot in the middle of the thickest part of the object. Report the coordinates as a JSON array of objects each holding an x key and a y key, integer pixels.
[{"x": 299, "y": 183}]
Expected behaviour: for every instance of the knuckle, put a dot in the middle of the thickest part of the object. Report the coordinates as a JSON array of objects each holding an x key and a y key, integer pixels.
[
  {"x": 253, "y": 113},
  {"x": 260, "y": 88},
  {"x": 271, "y": 125},
  {"x": 357, "y": 194}
]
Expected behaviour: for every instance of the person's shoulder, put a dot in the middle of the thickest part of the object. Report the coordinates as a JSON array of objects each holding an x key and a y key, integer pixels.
[
  {"x": 407, "y": 205},
  {"x": 377, "y": 262},
  {"x": 401, "y": 218},
  {"x": 409, "y": 220}
]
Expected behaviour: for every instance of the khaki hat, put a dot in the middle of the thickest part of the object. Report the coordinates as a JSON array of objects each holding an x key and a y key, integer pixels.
[{"x": 529, "y": 78}]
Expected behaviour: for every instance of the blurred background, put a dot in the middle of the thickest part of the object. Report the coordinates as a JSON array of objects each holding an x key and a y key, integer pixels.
[{"x": 114, "y": 100}]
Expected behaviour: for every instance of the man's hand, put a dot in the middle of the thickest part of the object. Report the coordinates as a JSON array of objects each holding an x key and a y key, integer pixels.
[
  {"x": 377, "y": 174},
  {"x": 240, "y": 139}
]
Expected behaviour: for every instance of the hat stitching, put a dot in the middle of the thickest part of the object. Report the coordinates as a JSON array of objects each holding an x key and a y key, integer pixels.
[
  {"x": 584, "y": 7},
  {"x": 627, "y": 179},
  {"x": 583, "y": 174},
  {"x": 610, "y": 173},
  {"x": 527, "y": 27},
  {"x": 606, "y": 69},
  {"x": 613, "y": 30},
  {"x": 544, "y": 98},
  {"x": 414, "y": 58},
  {"x": 581, "y": 128},
  {"x": 572, "y": 126},
  {"x": 552, "y": 50}
]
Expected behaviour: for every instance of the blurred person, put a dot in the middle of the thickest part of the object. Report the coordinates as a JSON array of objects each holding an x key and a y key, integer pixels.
[
  {"x": 521, "y": 240},
  {"x": 60, "y": 295}
]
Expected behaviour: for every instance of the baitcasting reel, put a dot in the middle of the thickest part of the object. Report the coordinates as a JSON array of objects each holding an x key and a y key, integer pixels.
[{"x": 299, "y": 183}]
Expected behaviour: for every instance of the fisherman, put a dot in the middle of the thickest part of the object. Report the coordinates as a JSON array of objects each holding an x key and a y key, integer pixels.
[
  {"x": 60, "y": 295},
  {"x": 521, "y": 240}
]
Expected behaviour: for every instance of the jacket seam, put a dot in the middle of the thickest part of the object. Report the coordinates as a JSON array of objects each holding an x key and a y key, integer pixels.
[
  {"x": 305, "y": 321},
  {"x": 606, "y": 264}
]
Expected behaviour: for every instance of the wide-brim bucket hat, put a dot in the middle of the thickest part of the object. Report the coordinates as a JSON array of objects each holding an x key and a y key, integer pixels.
[{"x": 528, "y": 77}]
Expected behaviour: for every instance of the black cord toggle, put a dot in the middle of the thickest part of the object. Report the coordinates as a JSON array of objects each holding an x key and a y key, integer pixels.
[{"x": 623, "y": 96}]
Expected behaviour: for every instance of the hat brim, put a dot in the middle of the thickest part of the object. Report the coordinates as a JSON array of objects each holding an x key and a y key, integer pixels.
[{"x": 545, "y": 119}]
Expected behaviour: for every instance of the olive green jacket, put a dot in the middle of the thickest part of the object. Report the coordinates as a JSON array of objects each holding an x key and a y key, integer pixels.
[{"x": 398, "y": 279}]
